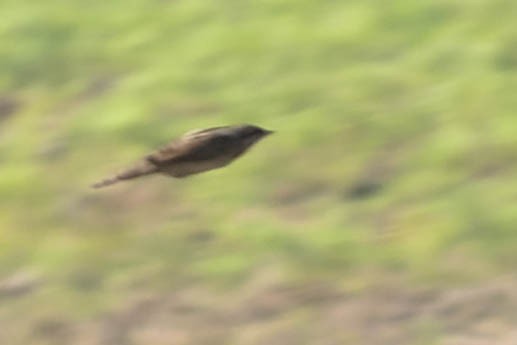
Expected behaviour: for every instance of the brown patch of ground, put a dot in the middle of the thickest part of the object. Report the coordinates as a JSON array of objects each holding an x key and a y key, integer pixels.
[
  {"x": 484, "y": 314},
  {"x": 8, "y": 106}
]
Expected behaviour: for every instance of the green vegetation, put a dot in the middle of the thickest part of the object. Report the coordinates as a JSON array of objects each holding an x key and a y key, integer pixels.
[{"x": 395, "y": 154}]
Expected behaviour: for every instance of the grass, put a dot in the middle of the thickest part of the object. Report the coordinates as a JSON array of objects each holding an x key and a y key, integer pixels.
[{"x": 414, "y": 98}]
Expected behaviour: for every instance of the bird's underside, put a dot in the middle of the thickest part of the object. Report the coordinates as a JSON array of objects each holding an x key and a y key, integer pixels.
[{"x": 191, "y": 154}]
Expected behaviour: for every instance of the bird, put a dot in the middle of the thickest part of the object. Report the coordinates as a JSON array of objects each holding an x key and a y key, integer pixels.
[{"x": 193, "y": 153}]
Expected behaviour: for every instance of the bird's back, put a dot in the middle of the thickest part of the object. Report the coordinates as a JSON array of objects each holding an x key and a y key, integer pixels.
[{"x": 197, "y": 152}]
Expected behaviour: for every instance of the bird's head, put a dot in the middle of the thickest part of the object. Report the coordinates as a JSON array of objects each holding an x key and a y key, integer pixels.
[{"x": 251, "y": 134}]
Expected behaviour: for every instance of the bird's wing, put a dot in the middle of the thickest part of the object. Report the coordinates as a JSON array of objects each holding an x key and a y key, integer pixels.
[
  {"x": 194, "y": 147},
  {"x": 197, "y": 132}
]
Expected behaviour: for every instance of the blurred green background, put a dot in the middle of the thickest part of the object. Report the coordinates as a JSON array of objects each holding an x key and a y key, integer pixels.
[{"x": 383, "y": 212}]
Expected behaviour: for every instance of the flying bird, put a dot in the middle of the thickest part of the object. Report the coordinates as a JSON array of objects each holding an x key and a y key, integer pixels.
[{"x": 195, "y": 152}]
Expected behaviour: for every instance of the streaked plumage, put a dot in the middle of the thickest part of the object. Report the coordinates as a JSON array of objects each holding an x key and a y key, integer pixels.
[{"x": 194, "y": 152}]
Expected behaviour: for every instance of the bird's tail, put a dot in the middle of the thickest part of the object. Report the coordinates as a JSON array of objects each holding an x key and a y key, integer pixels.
[{"x": 141, "y": 169}]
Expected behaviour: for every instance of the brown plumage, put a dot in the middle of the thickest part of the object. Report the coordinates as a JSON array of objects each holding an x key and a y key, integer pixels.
[{"x": 194, "y": 152}]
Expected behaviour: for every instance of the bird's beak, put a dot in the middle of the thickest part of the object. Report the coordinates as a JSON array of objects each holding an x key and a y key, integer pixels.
[{"x": 268, "y": 132}]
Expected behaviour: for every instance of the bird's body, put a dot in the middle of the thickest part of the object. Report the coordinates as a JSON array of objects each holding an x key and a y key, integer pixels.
[{"x": 194, "y": 152}]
